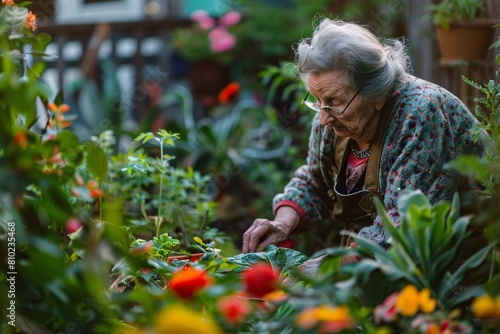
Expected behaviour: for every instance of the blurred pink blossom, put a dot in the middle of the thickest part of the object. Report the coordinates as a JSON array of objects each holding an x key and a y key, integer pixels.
[
  {"x": 230, "y": 19},
  {"x": 203, "y": 18},
  {"x": 221, "y": 40}
]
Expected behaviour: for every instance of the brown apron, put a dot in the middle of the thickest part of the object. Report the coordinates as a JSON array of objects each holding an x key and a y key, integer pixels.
[{"x": 357, "y": 209}]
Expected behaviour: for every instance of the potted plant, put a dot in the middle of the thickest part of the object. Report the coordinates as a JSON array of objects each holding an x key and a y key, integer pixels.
[
  {"x": 462, "y": 31},
  {"x": 209, "y": 45}
]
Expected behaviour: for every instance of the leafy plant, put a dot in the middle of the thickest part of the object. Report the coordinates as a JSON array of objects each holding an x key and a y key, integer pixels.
[
  {"x": 231, "y": 145},
  {"x": 160, "y": 246},
  {"x": 447, "y": 13},
  {"x": 38, "y": 165},
  {"x": 160, "y": 165},
  {"x": 486, "y": 170},
  {"x": 182, "y": 201},
  {"x": 426, "y": 248}
]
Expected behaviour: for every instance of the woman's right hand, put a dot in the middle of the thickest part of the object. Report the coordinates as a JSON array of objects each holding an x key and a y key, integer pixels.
[{"x": 264, "y": 232}]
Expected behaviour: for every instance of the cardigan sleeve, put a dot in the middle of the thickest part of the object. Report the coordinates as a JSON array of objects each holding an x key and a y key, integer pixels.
[
  {"x": 429, "y": 129},
  {"x": 307, "y": 191}
]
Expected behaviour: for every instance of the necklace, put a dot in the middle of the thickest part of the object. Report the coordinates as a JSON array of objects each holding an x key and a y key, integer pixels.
[{"x": 361, "y": 154}]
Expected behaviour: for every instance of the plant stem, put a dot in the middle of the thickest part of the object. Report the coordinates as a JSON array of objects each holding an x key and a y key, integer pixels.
[
  {"x": 200, "y": 231},
  {"x": 492, "y": 266},
  {"x": 186, "y": 241},
  {"x": 158, "y": 222}
]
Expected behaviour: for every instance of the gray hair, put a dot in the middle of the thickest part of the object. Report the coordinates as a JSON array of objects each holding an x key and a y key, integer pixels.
[{"x": 379, "y": 68}]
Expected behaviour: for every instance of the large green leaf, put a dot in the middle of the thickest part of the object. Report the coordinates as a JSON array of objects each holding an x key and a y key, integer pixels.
[
  {"x": 13, "y": 18},
  {"x": 282, "y": 258},
  {"x": 472, "y": 262},
  {"x": 96, "y": 160}
]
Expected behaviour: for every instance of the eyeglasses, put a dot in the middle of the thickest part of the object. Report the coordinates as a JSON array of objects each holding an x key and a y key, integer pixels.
[{"x": 316, "y": 107}]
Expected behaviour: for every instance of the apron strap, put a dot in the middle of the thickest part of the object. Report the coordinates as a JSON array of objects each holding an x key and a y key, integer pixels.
[{"x": 372, "y": 186}]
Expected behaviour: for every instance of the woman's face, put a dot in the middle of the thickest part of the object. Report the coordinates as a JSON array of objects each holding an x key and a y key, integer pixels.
[{"x": 331, "y": 89}]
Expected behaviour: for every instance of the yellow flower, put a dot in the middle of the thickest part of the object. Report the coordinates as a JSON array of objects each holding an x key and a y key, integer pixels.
[
  {"x": 383, "y": 330},
  {"x": 178, "y": 319},
  {"x": 427, "y": 304},
  {"x": 306, "y": 319},
  {"x": 333, "y": 318},
  {"x": 407, "y": 302},
  {"x": 485, "y": 307}
]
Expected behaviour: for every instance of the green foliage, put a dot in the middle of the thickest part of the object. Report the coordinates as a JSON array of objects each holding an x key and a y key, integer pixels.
[
  {"x": 446, "y": 13},
  {"x": 425, "y": 248},
  {"x": 241, "y": 145}
]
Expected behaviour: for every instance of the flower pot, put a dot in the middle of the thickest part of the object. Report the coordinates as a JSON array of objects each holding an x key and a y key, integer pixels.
[
  {"x": 192, "y": 258},
  {"x": 467, "y": 41}
]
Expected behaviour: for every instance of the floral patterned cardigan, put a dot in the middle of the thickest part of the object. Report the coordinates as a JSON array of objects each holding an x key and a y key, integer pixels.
[{"x": 429, "y": 127}]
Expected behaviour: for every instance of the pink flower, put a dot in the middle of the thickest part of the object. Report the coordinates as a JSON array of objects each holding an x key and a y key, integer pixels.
[
  {"x": 221, "y": 40},
  {"x": 73, "y": 225},
  {"x": 230, "y": 19},
  {"x": 387, "y": 311},
  {"x": 203, "y": 19}
]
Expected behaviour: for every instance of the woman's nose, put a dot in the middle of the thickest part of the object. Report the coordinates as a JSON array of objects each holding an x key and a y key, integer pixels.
[{"x": 325, "y": 117}]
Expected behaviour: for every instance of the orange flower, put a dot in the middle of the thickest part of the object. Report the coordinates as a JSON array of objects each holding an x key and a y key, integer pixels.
[
  {"x": 59, "y": 109},
  {"x": 332, "y": 319},
  {"x": 260, "y": 279},
  {"x": 234, "y": 308},
  {"x": 58, "y": 120},
  {"x": 275, "y": 297},
  {"x": 30, "y": 21},
  {"x": 93, "y": 188},
  {"x": 7, "y": 2},
  {"x": 21, "y": 140},
  {"x": 188, "y": 281},
  {"x": 229, "y": 93},
  {"x": 433, "y": 329}
]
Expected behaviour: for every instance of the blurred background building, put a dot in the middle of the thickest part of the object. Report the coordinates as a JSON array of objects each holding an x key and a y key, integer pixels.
[{"x": 124, "y": 47}]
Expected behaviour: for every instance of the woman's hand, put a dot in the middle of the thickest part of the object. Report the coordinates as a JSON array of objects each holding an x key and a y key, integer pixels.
[{"x": 264, "y": 232}]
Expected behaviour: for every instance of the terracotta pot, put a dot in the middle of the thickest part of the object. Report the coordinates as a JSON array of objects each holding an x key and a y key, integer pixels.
[
  {"x": 192, "y": 258},
  {"x": 467, "y": 41}
]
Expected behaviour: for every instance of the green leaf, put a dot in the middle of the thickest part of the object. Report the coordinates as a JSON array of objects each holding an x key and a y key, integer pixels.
[
  {"x": 472, "y": 262},
  {"x": 96, "y": 160},
  {"x": 145, "y": 137},
  {"x": 283, "y": 258}
]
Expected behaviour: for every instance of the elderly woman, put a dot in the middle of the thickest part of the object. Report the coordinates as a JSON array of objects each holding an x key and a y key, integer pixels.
[{"x": 378, "y": 131}]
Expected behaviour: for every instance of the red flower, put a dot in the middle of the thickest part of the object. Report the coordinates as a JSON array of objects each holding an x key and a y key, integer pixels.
[
  {"x": 187, "y": 281},
  {"x": 93, "y": 188},
  {"x": 21, "y": 140},
  {"x": 72, "y": 225},
  {"x": 229, "y": 93},
  {"x": 234, "y": 308},
  {"x": 287, "y": 243},
  {"x": 260, "y": 279}
]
